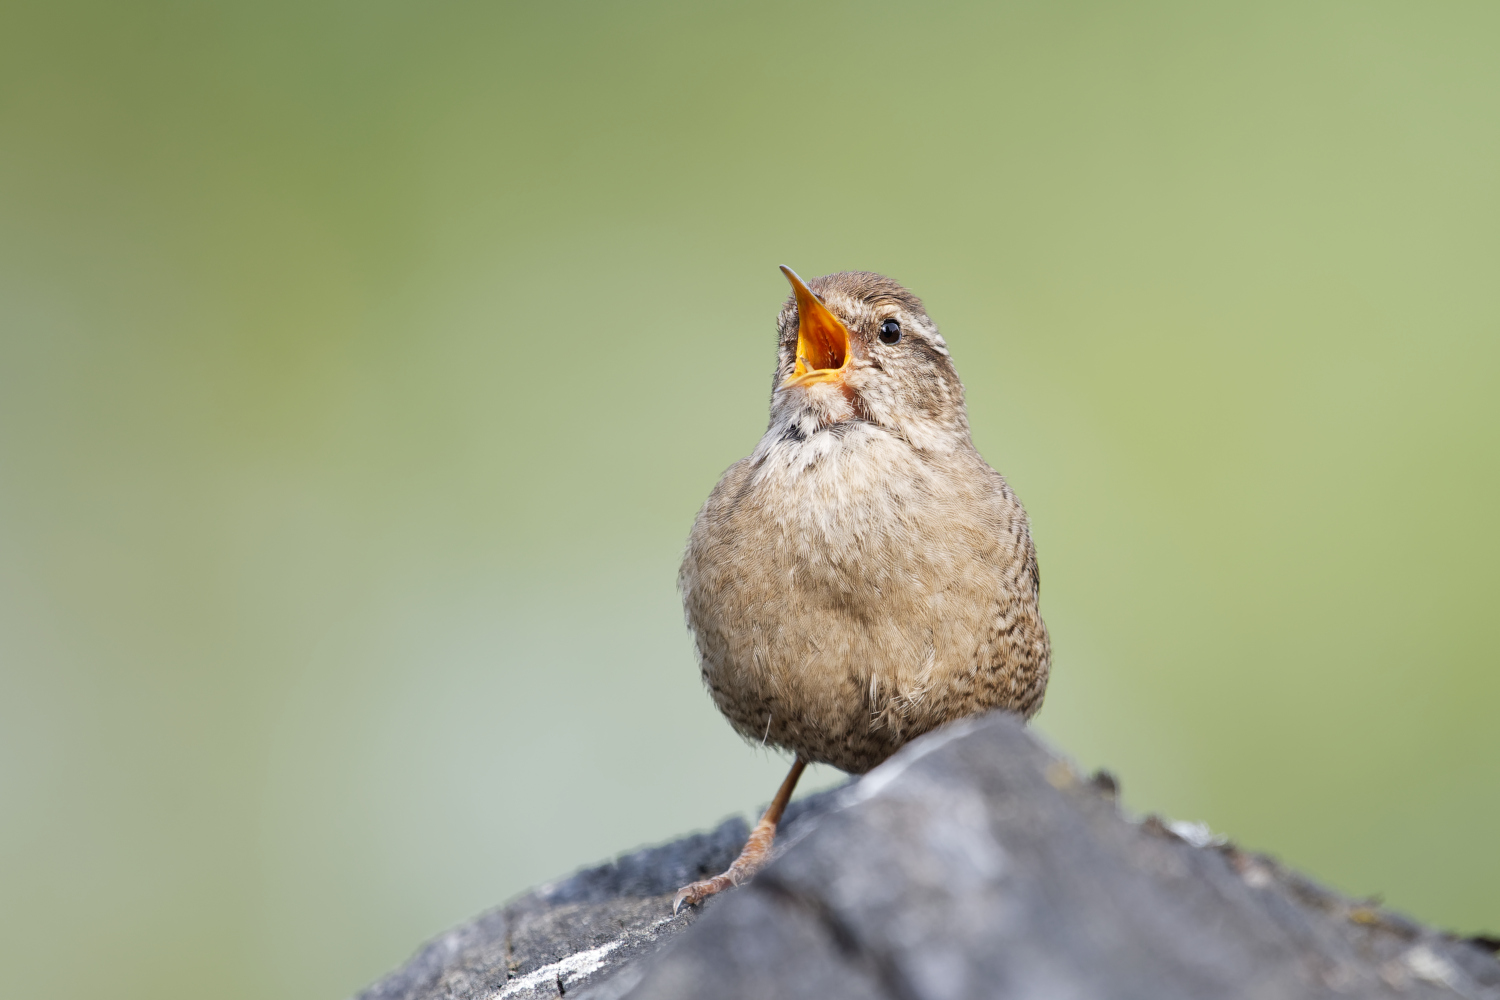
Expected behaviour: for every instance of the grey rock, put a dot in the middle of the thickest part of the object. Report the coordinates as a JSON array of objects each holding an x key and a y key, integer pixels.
[
  {"x": 974, "y": 863},
  {"x": 585, "y": 932}
]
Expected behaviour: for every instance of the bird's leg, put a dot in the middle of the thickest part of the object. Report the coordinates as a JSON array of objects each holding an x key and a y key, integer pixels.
[{"x": 757, "y": 848}]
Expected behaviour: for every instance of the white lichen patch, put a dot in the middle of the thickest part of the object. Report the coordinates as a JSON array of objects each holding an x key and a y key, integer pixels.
[
  {"x": 568, "y": 971},
  {"x": 1257, "y": 876},
  {"x": 1197, "y": 834},
  {"x": 1427, "y": 964}
]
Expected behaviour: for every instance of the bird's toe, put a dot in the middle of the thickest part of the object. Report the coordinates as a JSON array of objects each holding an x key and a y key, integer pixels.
[{"x": 697, "y": 892}]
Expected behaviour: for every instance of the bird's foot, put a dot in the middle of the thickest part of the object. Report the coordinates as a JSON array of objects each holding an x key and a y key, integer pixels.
[
  {"x": 756, "y": 853},
  {"x": 697, "y": 892}
]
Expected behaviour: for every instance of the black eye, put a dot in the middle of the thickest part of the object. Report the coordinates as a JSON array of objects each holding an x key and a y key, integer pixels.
[{"x": 890, "y": 332}]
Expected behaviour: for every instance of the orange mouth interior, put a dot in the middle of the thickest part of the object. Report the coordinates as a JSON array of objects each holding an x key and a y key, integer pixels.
[{"x": 822, "y": 340}]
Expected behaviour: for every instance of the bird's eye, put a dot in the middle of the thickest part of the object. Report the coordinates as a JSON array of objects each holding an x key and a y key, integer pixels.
[{"x": 890, "y": 332}]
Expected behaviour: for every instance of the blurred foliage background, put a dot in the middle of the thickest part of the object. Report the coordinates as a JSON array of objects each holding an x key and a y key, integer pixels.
[{"x": 362, "y": 366}]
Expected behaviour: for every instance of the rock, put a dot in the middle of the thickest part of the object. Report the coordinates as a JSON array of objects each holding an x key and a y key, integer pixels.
[
  {"x": 974, "y": 863},
  {"x": 582, "y": 930}
]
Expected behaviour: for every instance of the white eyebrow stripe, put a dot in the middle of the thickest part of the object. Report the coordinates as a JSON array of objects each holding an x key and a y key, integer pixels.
[{"x": 934, "y": 340}]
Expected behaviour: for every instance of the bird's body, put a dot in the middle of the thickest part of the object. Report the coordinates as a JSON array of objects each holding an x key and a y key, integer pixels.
[
  {"x": 864, "y": 576},
  {"x": 849, "y": 592}
]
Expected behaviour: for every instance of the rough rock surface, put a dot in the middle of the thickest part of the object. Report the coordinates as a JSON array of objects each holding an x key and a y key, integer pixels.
[{"x": 974, "y": 863}]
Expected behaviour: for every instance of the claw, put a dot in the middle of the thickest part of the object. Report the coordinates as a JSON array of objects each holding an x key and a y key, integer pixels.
[{"x": 697, "y": 892}]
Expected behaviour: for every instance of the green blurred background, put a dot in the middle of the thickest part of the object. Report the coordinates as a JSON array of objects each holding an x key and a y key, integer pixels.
[{"x": 362, "y": 367}]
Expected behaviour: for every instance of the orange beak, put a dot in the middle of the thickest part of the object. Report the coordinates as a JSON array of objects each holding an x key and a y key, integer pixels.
[{"x": 822, "y": 341}]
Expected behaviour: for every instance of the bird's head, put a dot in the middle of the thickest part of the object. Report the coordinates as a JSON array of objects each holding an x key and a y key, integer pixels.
[{"x": 859, "y": 346}]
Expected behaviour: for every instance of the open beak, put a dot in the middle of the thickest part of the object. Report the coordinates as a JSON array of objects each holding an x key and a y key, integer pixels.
[{"x": 822, "y": 341}]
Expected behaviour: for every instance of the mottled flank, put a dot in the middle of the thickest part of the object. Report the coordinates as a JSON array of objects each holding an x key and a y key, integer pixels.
[{"x": 864, "y": 576}]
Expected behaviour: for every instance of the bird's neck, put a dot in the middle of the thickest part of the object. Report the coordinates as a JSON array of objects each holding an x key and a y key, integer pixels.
[{"x": 817, "y": 426}]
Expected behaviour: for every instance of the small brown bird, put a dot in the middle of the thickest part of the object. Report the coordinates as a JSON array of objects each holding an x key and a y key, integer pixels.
[{"x": 863, "y": 577}]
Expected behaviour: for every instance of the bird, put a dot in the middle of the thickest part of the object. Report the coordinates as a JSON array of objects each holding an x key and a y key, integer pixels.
[{"x": 863, "y": 576}]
